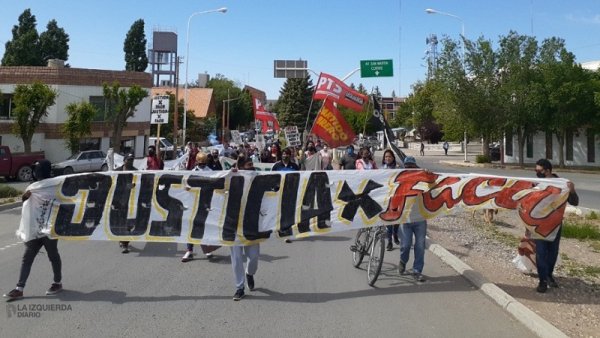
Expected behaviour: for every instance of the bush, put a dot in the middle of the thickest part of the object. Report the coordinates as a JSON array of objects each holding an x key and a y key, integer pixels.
[
  {"x": 482, "y": 159},
  {"x": 7, "y": 191}
]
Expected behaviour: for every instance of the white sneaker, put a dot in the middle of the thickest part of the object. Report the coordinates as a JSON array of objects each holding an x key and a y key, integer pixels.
[{"x": 189, "y": 255}]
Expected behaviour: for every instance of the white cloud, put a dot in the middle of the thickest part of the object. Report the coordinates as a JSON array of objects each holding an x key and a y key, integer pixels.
[{"x": 590, "y": 20}]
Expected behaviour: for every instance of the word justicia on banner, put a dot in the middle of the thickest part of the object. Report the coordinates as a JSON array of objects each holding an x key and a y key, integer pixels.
[{"x": 239, "y": 208}]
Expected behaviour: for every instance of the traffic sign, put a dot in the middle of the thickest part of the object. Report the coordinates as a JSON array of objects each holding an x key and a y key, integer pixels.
[
  {"x": 376, "y": 68},
  {"x": 160, "y": 109}
]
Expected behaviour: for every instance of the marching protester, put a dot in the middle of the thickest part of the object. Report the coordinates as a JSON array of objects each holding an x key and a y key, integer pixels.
[
  {"x": 326, "y": 156},
  {"x": 192, "y": 151},
  {"x": 213, "y": 161},
  {"x": 251, "y": 253},
  {"x": 127, "y": 165},
  {"x": 417, "y": 229},
  {"x": 348, "y": 161},
  {"x": 286, "y": 164},
  {"x": 546, "y": 252},
  {"x": 153, "y": 161},
  {"x": 365, "y": 160},
  {"x": 201, "y": 165},
  {"x": 311, "y": 160},
  {"x": 389, "y": 162},
  {"x": 42, "y": 171}
]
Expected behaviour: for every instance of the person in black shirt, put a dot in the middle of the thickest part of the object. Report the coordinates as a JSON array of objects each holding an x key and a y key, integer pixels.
[
  {"x": 348, "y": 161},
  {"x": 286, "y": 163}
]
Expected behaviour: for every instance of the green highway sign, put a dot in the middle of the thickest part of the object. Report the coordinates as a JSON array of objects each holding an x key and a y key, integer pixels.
[{"x": 376, "y": 68}]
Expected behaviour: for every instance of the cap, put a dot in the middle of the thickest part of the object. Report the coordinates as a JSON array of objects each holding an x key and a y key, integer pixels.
[
  {"x": 129, "y": 157},
  {"x": 410, "y": 159},
  {"x": 201, "y": 158}
]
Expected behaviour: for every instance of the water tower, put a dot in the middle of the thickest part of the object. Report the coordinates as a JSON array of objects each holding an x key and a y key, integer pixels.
[{"x": 163, "y": 59}]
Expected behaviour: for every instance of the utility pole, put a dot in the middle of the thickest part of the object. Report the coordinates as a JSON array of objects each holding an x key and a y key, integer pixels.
[{"x": 176, "y": 112}]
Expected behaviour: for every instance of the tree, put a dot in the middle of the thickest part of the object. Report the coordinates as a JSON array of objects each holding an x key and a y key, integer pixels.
[
  {"x": 228, "y": 93},
  {"x": 54, "y": 42},
  {"x": 521, "y": 89},
  {"x": 79, "y": 123},
  {"x": 294, "y": 103},
  {"x": 121, "y": 105},
  {"x": 31, "y": 106},
  {"x": 135, "y": 48},
  {"x": 23, "y": 49},
  {"x": 570, "y": 92}
]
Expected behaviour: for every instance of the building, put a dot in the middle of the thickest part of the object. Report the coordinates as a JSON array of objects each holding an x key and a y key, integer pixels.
[{"x": 74, "y": 85}]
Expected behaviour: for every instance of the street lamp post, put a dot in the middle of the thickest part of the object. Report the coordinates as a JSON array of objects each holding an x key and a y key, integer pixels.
[
  {"x": 462, "y": 25},
  {"x": 187, "y": 61}
]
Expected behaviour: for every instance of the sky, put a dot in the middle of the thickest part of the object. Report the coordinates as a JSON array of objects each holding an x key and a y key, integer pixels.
[{"x": 332, "y": 35}]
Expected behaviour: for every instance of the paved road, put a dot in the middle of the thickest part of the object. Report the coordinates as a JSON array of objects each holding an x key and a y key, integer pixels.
[{"x": 304, "y": 289}]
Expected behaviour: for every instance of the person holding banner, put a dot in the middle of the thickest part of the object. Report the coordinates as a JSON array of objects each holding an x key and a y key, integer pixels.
[
  {"x": 286, "y": 164},
  {"x": 32, "y": 247},
  {"x": 238, "y": 252},
  {"x": 127, "y": 165},
  {"x": 417, "y": 229},
  {"x": 546, "y": 252},
  {"x": 389, "y": 162}
]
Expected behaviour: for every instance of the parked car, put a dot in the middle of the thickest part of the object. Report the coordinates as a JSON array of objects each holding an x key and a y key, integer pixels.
[
  {"x": 495, "y": 152},
  {"x": 18, "y": 166},
  {"x": 166, "y": 147},
  {"x": 84, "y": 161}
]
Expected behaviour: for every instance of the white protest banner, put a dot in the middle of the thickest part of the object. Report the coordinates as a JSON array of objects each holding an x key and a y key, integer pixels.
[
  {"x": 244, "y": 207},
  {"x": 160, "y": 109},
  {"x": 228, "y": 163}
]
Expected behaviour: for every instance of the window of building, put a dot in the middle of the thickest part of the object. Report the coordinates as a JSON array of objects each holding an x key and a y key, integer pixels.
[
  {"x": 591, "y": 146},
  {"x": 7, "y": 106},
  {"x": 509, "y": 143},
  {"x": 128, "y": 146},
  {"x": 569, "y": 145},
  {"x": 100, "y": 103},
  {"x": 89, "y": 144},
  {"x": 548, "y": 145},
  {"x": 529, "y": 140}
]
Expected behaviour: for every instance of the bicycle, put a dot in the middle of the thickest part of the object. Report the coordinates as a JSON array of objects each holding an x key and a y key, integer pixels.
[{"x": 370, "y": 241}]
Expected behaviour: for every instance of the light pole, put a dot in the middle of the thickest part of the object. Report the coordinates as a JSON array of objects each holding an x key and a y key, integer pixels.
[
  {"x": 462, "y": 32},
  {"x": 187, "y": 61}
]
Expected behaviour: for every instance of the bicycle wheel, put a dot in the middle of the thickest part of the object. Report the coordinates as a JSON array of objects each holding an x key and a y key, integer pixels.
[
  {"x": 360, "y": 246},
  {"x": 376, "y": 258}
]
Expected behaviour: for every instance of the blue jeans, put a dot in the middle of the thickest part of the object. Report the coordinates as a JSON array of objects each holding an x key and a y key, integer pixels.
[
  {"x": 546, "y": 254},
  {"x": 392, "y": 230},
  {"x": 419, "y": 230}
]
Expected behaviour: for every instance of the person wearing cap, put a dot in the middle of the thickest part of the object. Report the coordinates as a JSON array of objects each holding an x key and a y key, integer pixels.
[
  {"x": 417, "y": 229},
  {"x": 127, "y": 165},
  {"x": 42, "y": 171}
]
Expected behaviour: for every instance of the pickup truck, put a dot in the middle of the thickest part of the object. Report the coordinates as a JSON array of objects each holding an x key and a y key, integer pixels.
[{"x": 18, "y": 165}]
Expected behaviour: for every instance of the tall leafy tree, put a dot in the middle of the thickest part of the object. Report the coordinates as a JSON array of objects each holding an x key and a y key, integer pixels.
[
  {"x": 569, "y": 89},
  {"x": 54, "y": 42},
  {"x": 31, "y": 106},
  {"x": 121, "y": 105},
  {"x": 521, "y": 87},
  {"x": 78, "y": 124},
  {"x": 23, "y": 49},
  {"x": 228, "y": 95},
  {"x": 293, "y": 105},
  {"x": 135, "y": 48}
]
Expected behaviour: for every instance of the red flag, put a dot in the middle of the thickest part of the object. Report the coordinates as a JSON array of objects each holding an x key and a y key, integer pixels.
[
  {"x": 267, "y": 120},
  {"x": 339, "y": 92},
  {"x": 331, "y": 126}
]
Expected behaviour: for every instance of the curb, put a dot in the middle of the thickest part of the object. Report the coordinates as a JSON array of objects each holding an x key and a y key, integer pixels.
[
  {"x": 510, "y": 166},
  {"x": 10, "y": 205},
  {"x": 520, "y": 312}
]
